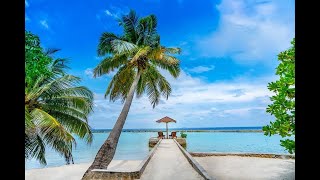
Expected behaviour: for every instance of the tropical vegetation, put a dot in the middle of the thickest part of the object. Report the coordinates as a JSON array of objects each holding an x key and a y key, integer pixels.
[
  {"x": 183, "y": 134},
  {"x": 283, "y": 106},
  {"x": 56, "y": 107},
  {"x": 137, "y": 57}
]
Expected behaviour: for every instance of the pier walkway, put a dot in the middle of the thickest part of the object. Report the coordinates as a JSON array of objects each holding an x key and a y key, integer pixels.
[{"x": 168, "y": 162}]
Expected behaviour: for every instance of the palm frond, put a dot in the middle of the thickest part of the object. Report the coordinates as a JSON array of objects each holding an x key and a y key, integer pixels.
[
  {"x": 152, "y": 90},
  {"x": 121, "y": 46},
  {"x": 172, "y": 50},
  {"x": 53, "y": 109},
  {"x": 154, "y": 84},
  {"x": 35, "y": 148},
  {"x": 141, "y": 53},
  {"x": 120, "y": 84},
  {"x": 76, "y": 99},
  {"x": 104, "y": 46},
  {"x": 164, "y": 86},
  {"x": 147, "y": 24},
  {"x": 169, "y": 59},
  {"x": 129, "y": 23},
  {"x": 152, "y": 23},
  {"x": 74, "y": 123},
  {"x": 146, "y": 30},
  {"x": 50, "y": 51},
  {"x": 28, "y": 118},
  {"x": 51, "y": 85},
  {"x": 50, "y": 132},
  {"x": 43, "y": 119},
  {"x": 109, "y": 64},
  {"x": 71, "y": 91},
  {"x": 82, "y": 104},
  {"x": 59, "y": 66},
  {"x": 168, "y": 63},
  {"x": 141, "y": 86},
  {"x": 60, "y": 145}
]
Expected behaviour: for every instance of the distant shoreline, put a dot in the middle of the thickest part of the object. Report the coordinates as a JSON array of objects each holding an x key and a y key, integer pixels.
[{"x": 231, "y": 129}]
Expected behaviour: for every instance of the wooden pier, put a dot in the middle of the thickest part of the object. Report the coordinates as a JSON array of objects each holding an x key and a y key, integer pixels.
[{"x": 167, "y": 160}]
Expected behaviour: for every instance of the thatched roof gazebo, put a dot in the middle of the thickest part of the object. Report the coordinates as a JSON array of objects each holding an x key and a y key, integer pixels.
[{"x": 166, "y": 120}]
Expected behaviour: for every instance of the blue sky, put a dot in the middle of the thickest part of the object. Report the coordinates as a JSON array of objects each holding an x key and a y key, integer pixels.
[{"x": 229, "y": 54}]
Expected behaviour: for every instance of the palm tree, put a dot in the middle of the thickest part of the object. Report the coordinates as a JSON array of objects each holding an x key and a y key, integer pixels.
[
  {"x": 136, "y": 55},
  {"x": 56, "y": 109}
]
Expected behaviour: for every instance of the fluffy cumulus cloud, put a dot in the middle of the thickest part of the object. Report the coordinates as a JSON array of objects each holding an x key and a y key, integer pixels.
[
  {"x": 250, "y": 31},
  {"x": 194, "y": 103}
]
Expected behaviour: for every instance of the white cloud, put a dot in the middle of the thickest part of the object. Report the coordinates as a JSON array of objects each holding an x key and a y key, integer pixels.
[
  {"x": 194, "y": 103},
  {"x": 116, "y": 12},
  {"x": 44, "y": 23},
  {"x": 112, "y": 73},
  {"x": 89, "y": 72},
  {"x": 243, "y": 111},
  {"x": 26, "y": 3},
  {"x": 201, "y": 69},
  {"x": 190, "y": 90},
  {"x": 110, "y": 14},
  {"x": 250, "y": 31}
]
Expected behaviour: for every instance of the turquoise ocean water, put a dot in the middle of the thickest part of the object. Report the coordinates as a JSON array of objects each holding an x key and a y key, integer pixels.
[{"x": 134, "y": 146}]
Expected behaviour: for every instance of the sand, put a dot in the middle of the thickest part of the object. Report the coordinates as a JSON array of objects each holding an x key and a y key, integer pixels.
[
  {"x": 75, "y": 171},
  {"x": 247, "y": 168},
  {"x": 220, "y": 167}
]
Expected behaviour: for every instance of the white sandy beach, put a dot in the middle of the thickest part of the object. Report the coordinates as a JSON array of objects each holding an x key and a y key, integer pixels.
[
  {"x": 75, "y": 171},
  {"x": 220, "y": 167},
  {"x": 248, "y": 168}
]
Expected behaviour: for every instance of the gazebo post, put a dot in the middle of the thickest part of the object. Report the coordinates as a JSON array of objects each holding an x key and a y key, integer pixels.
[
  {"x": 167, "y": 130},
  {"x": 166, "y": 120}
]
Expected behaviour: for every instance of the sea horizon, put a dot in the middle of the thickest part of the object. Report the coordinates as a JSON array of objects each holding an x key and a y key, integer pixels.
[{"x": 230, "y": 128}]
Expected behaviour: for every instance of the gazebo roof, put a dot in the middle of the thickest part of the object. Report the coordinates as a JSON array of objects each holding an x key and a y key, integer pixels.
[{"x": 166, "y": 120}]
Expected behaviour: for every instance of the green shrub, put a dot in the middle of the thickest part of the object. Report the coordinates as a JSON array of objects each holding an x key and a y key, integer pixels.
[
  {"x": 183, "y": 135},
  {"x": 283, "y": 100}
]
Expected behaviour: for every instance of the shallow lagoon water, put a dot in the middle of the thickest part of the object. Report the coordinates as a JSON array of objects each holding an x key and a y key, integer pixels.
[{"x": 134, "y": 146}]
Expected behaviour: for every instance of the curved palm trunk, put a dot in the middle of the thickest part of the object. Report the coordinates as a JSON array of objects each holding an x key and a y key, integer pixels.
[{"x": 108, "y": 149}]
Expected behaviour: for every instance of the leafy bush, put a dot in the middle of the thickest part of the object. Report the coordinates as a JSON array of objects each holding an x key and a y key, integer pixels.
[
  {"x": 183, "y": 135},
  {"x": 283, "y": 106},
  {"x": 37, "y": 60}
]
